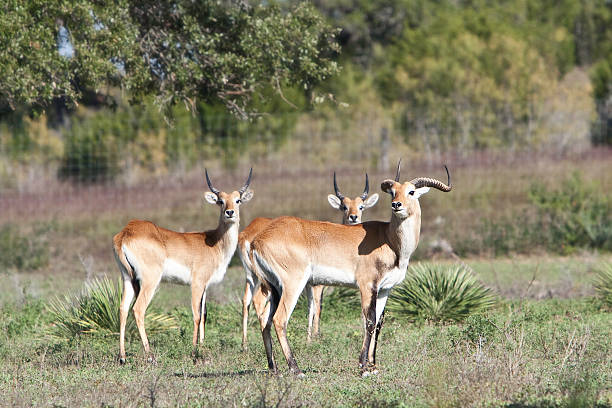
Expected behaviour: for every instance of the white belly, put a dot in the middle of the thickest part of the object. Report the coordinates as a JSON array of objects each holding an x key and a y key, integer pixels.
[
  {"x": 176, "y": 272},
  {"x": 328, "y": 275},
  {"x": 218, "y": 274}
]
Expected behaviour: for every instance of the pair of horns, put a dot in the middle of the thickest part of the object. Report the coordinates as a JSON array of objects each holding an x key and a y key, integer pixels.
[
  {"x": 241, "y": 190},
  {"x": 426, "y": 181},
  {"x": 363, "y": 195}
]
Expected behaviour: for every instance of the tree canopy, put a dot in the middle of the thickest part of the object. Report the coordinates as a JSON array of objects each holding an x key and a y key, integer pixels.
[{"x": 178, "y": 51}]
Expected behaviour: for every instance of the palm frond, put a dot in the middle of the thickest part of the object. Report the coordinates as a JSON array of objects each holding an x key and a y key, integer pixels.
[
  {"x": 96, "y": 311},
  {"x": 439, "y": 293},
  {"x": 603, "y": 283}
]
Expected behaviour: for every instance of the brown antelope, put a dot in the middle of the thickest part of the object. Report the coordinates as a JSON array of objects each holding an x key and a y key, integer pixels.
[
  {"x": 147, "y": 254},
  {"x": 352, "y": 211},
  {"x": 292, "y": 253}
]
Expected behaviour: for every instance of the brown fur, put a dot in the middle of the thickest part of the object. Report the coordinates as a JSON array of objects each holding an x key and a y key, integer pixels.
[
  {"x": 372, "y": 256},
  {"x": 351, "y": 214},
  {"x": 146, "y": 253}
]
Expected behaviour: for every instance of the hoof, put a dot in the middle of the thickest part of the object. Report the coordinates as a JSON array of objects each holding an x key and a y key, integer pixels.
[
  {"x": 151, "y": 360},
  {"x": 371, "y": 369},
  {"x": 300, "y": 375},
  {"x": 122, "y": 360}
]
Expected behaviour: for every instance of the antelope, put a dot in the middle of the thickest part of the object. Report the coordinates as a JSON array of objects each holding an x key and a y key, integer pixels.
[
  {"x": 352, "y": 210},
  {"x": 147, "y": 254},
  {"x": 292, "y": 253}
]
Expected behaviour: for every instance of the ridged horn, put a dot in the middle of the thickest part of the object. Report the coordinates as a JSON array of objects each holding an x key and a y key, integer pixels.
[
  {"x": 338, "y": 193},
  {"x": 210, "y": 186},
  {"x": 429, "y": 182},
  {"x": 246, "y": 185},
  {"x": 366, "y": 190},
  {"x": 397, "y": 174}
]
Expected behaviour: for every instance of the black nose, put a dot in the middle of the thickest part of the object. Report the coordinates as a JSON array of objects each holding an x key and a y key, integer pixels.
[
  {"x": 396, "y": 205},
  {"x": 229, "y": 213},
  {"x": 353, "y": 218}
]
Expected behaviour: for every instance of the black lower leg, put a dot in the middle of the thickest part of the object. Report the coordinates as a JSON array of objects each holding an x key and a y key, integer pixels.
[
  {"x": 370, "y": 325},
  {"x": 379, "y": 326},
  {"x": 266, "y": 332}
]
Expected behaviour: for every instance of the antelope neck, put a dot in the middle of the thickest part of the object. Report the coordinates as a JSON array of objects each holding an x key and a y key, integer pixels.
[{"x": 403, "y": 235}]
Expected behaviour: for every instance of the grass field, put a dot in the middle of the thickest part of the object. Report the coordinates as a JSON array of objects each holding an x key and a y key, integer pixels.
[
  {"x": 531, "y": 350},
  {"x": 547, "y": 343}
]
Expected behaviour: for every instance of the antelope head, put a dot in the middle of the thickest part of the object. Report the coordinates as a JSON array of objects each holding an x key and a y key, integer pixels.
[
  {"x": 405, "y": 197},
  {"x": 229, "y": 203},
  {"x": 352, "y": 209}
]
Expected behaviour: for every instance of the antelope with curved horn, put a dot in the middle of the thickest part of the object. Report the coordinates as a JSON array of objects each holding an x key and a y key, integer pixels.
[
  {"x": 352, "y": 210},
  {"x": 292, "y": 253},
  {"x": 147, "y": 254}
]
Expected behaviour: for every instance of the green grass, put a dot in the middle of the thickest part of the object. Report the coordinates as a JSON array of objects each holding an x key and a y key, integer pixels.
[{"x": 551, "y": 352}]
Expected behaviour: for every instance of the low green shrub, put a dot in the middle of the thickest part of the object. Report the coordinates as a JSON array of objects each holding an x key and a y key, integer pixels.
[
  {"x": 439, "y": 293},
  {"x": 96, "y": 311},
  {"x": 576, "y": 215},
  {"x": 20, "y": 251}
]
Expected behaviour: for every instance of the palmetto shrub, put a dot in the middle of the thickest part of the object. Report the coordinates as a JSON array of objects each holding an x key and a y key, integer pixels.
[
  {"x": 439, "y": 293},
  {"x": 96, "y": 311},
  {"x": 603, "y": 283}
]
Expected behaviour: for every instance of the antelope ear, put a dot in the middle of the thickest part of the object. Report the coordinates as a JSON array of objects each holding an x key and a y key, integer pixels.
[
  {"x": 210, "y": 197},
  {"x": 387, "y": 186},
  {"x": 334, "y": 201},
  {"x": 371, "y": 201},
  {"x": 246, "y": 196},
  {"x": 420, "y": 191}
]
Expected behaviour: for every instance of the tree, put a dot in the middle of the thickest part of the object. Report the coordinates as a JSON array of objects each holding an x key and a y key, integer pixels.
[{"x": 179, "y": 51}]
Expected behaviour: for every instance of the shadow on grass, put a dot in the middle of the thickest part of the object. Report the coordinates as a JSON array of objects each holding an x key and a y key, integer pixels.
[{"x": 218, "y": 374}]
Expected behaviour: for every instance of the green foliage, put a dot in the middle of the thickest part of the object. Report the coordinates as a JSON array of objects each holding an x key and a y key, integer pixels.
[
  {"x": 17, "y": 320},
  {"x": 467, "y": 76},
  {"x": 578, "y": 214},
  {"x": 96, "y": 311},
  {"x": 138, "y": 140},
  {"x": 178, "y": 51},
  {"x": 92, "y": 148},
  {"x": 603, "y": 284},
  {"x": 438, "y": 293},
  {"x": 575, "y": 215},
  {"x": 23, "y": 252},
  {"x": 508, "y": 234}
]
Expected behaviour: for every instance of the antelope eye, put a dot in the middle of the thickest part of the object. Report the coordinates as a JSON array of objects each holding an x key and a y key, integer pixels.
[
  {"x": 411, "y": 192},
  {"x": 343, "y": 207},
  {"x": 361, "y": 207},
  {"x": 238, "y": 201}
]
